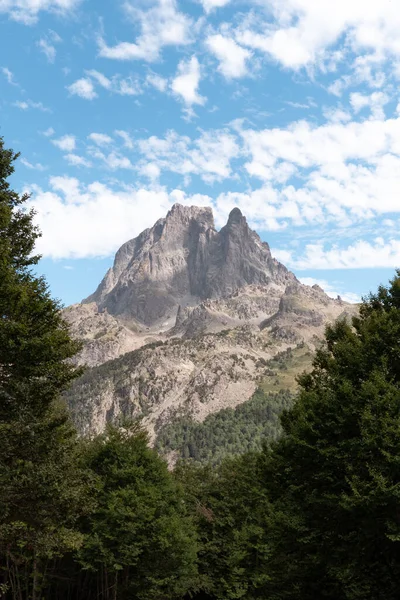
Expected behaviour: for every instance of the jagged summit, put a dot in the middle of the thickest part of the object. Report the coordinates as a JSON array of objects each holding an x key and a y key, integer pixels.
[
  {"x": 183, "y": 260},
  {"x": 193, "y": 317}
]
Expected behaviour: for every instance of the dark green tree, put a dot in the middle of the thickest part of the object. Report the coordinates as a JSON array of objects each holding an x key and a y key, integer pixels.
[
  {"x": 41, "y": 485},
  {"x": 140, "y": 541},
  {"x": 231, "y": 511},
  {"x": 334, "y": 477}
]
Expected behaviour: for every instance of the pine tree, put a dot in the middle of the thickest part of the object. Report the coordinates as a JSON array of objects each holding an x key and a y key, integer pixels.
[
  {"x": 334, "y": 477},
  {"x": 41, "y": 485}
]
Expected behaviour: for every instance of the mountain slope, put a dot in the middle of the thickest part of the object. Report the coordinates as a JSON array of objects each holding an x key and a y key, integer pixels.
[{"x": 187, "y": 321}]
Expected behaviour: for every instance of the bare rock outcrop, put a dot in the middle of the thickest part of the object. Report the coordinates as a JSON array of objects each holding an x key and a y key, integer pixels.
[{"x": 186, "y": 320}]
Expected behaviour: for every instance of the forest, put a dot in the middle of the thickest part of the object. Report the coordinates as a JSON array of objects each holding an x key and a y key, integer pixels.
[{"x": 313, "y": 513}]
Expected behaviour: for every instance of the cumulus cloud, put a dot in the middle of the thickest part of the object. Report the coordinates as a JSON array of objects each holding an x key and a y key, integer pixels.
[
  {"x": 375, "y": 102},
  {"x": 186, "y": 82},
  {"x": 208, "y": 156},
  {"x": 360, "y": 255},
  {"x": 66, "y": 143},
  {"x": 349, "y": 171},
  {"x": 232, "y": 57},
  {"x": 210, "y": 5},
  {"x": 126, "y": 138},
  {"x": 101, "y": 139},
  {"x": 27, "y": 11},
  {"x": 77, "y": 161},
  {"x": 83, "y": 88},
  {"x": 81, "y": 221},
  {"x": 304, "y": 32},
  {"x": 113, "y": 160},
  {"x": 161, "y": 25}
]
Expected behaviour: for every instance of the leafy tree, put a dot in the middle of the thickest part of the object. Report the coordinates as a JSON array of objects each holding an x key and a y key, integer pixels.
[
  {"x": 231, "y": 509},
  {"x": 140, "y": 542},
  {"x": 334, "y": 477},
  {"x": 41, "y": 485}
]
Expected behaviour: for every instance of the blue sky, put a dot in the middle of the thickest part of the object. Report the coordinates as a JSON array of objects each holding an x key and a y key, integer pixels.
[{"x": 288, "y": 109}]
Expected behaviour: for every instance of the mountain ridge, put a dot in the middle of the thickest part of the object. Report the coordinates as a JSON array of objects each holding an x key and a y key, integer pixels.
[{"x": 186, "y": 322}]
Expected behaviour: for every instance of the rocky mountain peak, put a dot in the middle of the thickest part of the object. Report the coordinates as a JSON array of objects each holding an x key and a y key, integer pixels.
[
  {"x": 181, "y": 214},
  {"x": 183, "y": 260},
  {"x": 236, "y": 217}
]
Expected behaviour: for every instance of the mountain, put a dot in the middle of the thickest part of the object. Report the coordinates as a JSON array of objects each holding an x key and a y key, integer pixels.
[
  {"x": 181, "y": 261},
  {"x": 187, "y": 322}
]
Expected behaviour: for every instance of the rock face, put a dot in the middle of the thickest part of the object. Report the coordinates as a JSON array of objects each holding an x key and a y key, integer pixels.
[
  {"x": 181, "y": 261},
  {"x": 186, "y": 322}
]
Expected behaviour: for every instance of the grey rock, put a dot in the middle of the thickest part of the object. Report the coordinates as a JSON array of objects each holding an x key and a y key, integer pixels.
[{"x": 183, "y": 260}]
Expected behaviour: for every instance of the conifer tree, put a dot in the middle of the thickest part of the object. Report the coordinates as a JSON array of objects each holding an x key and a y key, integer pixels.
[
  {"x": 334, "y": 477},
  {"x": 42, "y": 490}
]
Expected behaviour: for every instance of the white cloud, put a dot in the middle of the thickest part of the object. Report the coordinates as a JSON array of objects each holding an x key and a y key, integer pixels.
[
  {"x": 128, "y": 87},
  {"x": 81, "y": 221},
  {"x": 161, "y": 25},
  {"x": 336, "y": 115},
  {"x": 208, "y": 156},
  {"x": 124, "y": 135},
  {"x": 210, "y": 5},
  {"x": 48, "y": 50},
  {"x": 27, "y": 11},
  {"x": 186, "y": 82},
  {"x": 232, "y": 57},
  {"x": 66, "y": 143},
  {"x": 349, "y": 171},
  {"x": 83, "y": 88},
  {"x": 77, "y": 161},
  {"x": 101, "y": 139},
  {"x": 331, "y": 289},
  {"x": 101, "y": 79},
  {"x": 375, "y": 102},
  {"x": 47, "y": 45},
  {"x": 21, "y": 104},
  {"x": 112, "y": 161},
  {"x": 34, "y": 167},
  {"x": 359, "y": 255},
  {"x": 150, "y": 170},
  {"x": 304, "y": 32},
  {"x": 48, "y": 132},
  {"x": 124, "y": 86},
  {"x": 158, "y": 82},
  {"x": 8, "y": 75},
  {"x": 27, "y": 104}
]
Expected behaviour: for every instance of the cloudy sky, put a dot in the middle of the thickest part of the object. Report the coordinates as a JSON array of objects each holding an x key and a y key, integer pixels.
[{"x": 289, "y": 109}]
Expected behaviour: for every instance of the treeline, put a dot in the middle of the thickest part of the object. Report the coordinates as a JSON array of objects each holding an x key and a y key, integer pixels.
[
  {"x": 227, "y": 433},
  {"x": 314, "y": 515}
]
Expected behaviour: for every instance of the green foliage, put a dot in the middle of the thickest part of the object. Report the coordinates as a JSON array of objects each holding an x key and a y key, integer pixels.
[
  {"x": 139, "y": 541},
  {"x": 42, "y": 489},
  {"x": 231, "y": 510},
  {"x": 334, "y": 477},
  {"x": 228, "y": 432}
]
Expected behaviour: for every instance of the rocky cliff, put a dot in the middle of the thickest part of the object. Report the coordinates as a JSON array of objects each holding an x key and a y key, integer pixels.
[
  {"x": 187, "y": 321},
  {"x": 181, "y": 261}
]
